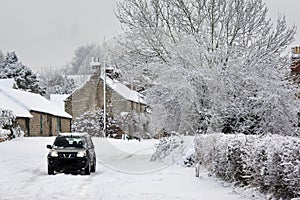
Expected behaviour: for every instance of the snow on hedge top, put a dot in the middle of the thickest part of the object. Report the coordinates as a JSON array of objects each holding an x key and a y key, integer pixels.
[
  {"x": 21, "y": 102},
  {"x": 124, "y": 91}
]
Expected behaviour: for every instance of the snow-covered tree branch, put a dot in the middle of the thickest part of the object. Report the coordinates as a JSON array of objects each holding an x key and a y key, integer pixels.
[{"x": 221, "y": 61}]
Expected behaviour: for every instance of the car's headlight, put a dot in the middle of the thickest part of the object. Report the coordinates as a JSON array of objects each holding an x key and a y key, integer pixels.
[
  {"x": 54, "y": 154},
  {"x": 81, "y": 154}
]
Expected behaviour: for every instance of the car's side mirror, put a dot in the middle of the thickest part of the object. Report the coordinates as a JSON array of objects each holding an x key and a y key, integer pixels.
[{"x": 49, "y": 146}]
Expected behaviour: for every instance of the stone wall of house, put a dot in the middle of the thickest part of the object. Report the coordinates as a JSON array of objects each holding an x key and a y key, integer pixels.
[
  {"x": 119, "y": 104},
  {"x": 65, "y": 125},
  {"x": 22, "y": 123},
  {"x": 43, "y": 124},
  {"x": 88, "y": 98},
  {"x": 68, "y": 105},
  {"x": 39, "y": 124}
]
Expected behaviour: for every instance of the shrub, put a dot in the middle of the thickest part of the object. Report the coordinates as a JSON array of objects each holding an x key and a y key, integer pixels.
[{"x": 8, "y": 128}]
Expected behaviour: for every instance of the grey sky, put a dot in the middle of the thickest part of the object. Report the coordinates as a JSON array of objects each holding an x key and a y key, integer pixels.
[{"x": 45, "y": 33}]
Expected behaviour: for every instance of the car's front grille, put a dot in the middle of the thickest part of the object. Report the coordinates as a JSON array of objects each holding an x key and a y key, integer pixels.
[{"x": 67, "y": 155}]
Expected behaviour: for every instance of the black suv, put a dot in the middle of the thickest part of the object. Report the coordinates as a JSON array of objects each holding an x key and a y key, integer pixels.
[{"x": 72, "y": 152}]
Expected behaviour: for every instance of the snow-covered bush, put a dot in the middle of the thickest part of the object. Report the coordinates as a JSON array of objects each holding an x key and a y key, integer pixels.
[
  {"x": 7, "y": 118},
  {"x": 271, "y": 163},
  {"x": 4, "y": 134},
  {"x": 92, "y": 123},
  {"x": 8, "y": 129}
]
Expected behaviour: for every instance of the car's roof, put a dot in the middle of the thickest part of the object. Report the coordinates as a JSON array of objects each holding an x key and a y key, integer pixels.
[{"x": 72, "y": 134}]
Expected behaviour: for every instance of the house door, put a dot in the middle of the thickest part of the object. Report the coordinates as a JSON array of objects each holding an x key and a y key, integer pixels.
[{"x": 50, "y": 126}]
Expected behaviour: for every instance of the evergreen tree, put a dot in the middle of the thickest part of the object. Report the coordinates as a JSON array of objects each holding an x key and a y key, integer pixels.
[{"x": 25, "y": 78}]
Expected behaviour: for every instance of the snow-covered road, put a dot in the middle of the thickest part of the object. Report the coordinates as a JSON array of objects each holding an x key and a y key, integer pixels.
[{"x": 123, "y": 172}]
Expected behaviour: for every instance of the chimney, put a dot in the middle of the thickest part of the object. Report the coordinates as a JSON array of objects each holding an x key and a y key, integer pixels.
[{"x": 95, "y": 65}]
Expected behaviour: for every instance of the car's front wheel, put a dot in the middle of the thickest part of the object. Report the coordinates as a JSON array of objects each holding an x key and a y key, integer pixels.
[
  {"x": 50, "y": 170},
  {"x": 93, "y": 168},
  {"x": 87, "y": 170}
]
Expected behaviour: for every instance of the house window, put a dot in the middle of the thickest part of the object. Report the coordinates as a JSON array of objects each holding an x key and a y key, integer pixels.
[
  {"x": 27, "y": 125},
  {"x": 132, "y": 107},
  {"x": 41, "y": 124},
  {"x": 58, "y": 125}
]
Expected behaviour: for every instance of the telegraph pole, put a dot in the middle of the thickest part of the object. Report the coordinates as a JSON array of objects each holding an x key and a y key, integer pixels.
[
  {"x": 104, "y": 99},
  {"x": 96, "y": 69}
]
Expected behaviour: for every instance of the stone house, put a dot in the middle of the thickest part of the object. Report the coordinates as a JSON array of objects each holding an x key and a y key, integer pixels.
[
  {"x": 120, "y": 100},
  {"x": 36, "y": 115}
]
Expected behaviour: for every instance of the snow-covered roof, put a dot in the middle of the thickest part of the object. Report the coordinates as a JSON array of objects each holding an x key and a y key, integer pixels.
[
  {"x": 124, "y": 91},
  {"x": 16, "y": 108},
  {"x": 59, "y": 100},
  {"x": 7, "y": 83},
  {"x": 21, "y": 103}
]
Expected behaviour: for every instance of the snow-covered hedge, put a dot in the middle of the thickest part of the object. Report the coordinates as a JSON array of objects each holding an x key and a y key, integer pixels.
[{"x": 271, "y": 163}]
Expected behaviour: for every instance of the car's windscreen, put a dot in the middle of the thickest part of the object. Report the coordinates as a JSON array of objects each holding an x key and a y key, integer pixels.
[{"x": 75, "y": 142}]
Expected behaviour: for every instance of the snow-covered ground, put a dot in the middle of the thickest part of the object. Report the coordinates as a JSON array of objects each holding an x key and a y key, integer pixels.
[{"x": 123, "y": 172}]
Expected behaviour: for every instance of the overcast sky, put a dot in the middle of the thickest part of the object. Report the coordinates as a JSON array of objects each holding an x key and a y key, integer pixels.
[{"x": 45, "y": 33}]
